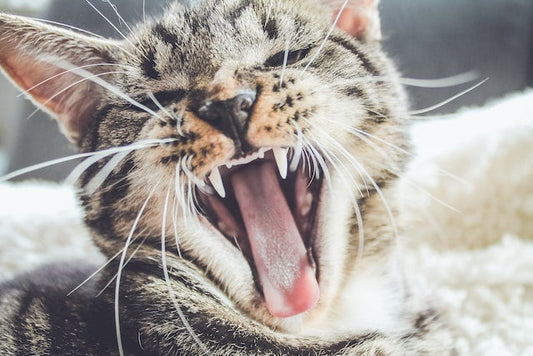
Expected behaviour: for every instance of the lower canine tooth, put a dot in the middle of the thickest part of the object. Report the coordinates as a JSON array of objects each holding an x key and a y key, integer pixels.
[
  {"x": 280, "y": 154},
  {"x": 216, "y": 181}
]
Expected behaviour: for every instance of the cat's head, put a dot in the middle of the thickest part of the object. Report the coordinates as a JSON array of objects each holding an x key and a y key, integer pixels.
[{"x": 244, "y": 132}]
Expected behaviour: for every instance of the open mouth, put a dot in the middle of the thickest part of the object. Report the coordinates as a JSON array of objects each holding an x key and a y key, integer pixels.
[{"x": 268, "y": 212}]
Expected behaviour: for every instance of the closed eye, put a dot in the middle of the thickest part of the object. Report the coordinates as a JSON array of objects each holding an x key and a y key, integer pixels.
[{"x": 293, "y": 57}]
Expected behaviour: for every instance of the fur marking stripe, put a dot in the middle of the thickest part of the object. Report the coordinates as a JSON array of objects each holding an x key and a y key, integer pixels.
[{"x": 352, "y": 48}]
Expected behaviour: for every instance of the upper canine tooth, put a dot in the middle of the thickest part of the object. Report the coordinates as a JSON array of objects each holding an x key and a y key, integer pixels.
[
  {"x": 216, "y": 181},
  {"x": 280, "y": 154}
]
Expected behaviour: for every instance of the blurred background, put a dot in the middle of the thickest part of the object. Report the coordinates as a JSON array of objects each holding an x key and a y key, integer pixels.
[{"x": 428, "y": 39}]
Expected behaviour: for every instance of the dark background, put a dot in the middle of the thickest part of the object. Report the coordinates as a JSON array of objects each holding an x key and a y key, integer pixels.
[{"x": 427, "y": 39}]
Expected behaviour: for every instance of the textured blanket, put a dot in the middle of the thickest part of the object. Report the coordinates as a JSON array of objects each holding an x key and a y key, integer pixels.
[{"x": 468, "y": 214}]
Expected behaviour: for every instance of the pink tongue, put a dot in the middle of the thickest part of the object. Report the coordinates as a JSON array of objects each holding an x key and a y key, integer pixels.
[{"x": 289, "y": 283}]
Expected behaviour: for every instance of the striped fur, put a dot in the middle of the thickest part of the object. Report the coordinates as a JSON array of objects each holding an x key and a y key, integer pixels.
[{"x": 338, "y": 99}]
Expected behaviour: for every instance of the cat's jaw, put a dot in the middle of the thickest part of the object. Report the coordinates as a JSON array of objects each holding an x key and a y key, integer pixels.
[
  {"x": 268, "y": 213},
  {"x": 346, "y": 285}
]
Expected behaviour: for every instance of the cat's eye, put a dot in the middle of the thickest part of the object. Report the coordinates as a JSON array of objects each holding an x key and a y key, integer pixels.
[{"x": 293, "y": 57}]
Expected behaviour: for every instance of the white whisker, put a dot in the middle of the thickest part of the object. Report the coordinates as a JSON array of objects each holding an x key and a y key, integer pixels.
[
  {"x": 285, "y": 59},
  {"x": 167, "y": 277},
  {"x": 102, "y": 175},
  {"x": 120, "y": 267},
  {"x": 96, "y": 156},
  {"x": 442, "y": 103},
  {"x": 111, "y": 88},
  {"x": 297, "y": 151},
  {"x": 180, "y": 191},
  {"x": 84, "y": 31},
  {"x": 444, "y": 82},
  {"x": 102, "y": 290},
  {"x": 107, "y": 152},
  {"x": 269, "y": 12},
  {"x": 323, "y": 44},
  {"x": 92, "y": 77},
  {"x": 144, "y": 11},
  {"x": 109, "y": 22},
  {"x": 162, "y": 108},
  {"x": 95, "y": 273},
  {"x": 175, "y": 223},
  {"x": 61, "y": 24},
  {"x": 351, "y": 181},
  {"x": 362, "y": 170},
  {"x": 68, "y": 71},
  {"x": 121, "y": 19}
]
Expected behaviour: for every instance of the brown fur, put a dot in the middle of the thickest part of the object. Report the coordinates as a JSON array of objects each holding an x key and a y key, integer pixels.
[{"x": 339, "y": 101}]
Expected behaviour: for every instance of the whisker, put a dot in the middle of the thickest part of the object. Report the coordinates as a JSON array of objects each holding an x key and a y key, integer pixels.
[
  {"x": 366, "y": 137},
  {"x": 285, "y": 59},
  {"x": 180, "y": 191},
  {"x": 185, "y": 166},
  {"x": 110, "y": 151},
  {"x": 361, "y": 135},
  {"x": 323, "y": 44},
  {"x": 95, "y": 157},
  {"x": 317, "y": 157},
  {"x": 357, "y": 210},
  {"x": 111, "y": 88},
  {"x": 42, "y": 165},
  {"x": 442, "y": 103},
  {"x": 162, "y": 108},
  {"x": 444, "y": 82},
  {"x": 68, "y": 71},
  {"x": 345, "y": 153},
  {"x": 269, "y": 12},
  {"x": 115, "y": 9},
  {"x": 175, "y": 223},
  {"x": 111, "y": 23},
  {"x": 91, "y": 78},
  {"x": 167, "y": 277},
  {"x": 102, "y": 290},
  {"x": 298, "y": 149},
  {"x": 95, "y": 273},
  {"x": 61, "y": 24},
  {"x": 362, "y": 169},
  {"x": 121, "y": 264},
  {"x": 84, "y": 31},
  {"x": 102, "y": 175}
]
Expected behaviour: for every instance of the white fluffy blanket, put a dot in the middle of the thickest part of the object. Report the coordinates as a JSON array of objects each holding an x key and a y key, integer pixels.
[{"x": 468, "y": 204}]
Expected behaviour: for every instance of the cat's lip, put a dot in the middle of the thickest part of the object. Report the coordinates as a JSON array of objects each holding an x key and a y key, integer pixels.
[{"x": 300, "y": 194}]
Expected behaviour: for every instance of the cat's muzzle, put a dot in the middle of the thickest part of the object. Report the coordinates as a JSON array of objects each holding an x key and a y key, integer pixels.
[{"x": 268, "y": 212}]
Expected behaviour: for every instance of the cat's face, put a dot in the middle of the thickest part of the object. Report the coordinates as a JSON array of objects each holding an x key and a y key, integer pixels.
[{"x": 257, "y": 132}]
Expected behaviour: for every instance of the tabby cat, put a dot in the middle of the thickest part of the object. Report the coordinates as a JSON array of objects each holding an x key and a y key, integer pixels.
[{"x": 239, "y": 170}]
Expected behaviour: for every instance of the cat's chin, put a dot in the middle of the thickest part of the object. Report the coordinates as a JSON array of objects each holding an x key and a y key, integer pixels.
[{"x": 267, "y": 209}]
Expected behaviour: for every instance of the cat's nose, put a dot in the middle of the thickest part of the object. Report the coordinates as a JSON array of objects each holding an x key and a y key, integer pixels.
[{"x": 231, "y": 117}]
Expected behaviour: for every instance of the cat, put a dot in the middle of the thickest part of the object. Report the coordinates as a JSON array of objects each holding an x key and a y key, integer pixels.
[{"x": 239, "y": 167}]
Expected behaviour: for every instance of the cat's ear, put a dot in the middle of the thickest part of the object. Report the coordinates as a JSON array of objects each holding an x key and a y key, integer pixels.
[
  {"x": 39, "y": 59},
  {"x": 360, "y": 18}
]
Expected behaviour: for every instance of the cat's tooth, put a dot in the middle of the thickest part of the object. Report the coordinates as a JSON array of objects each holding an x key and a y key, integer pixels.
[
  {"x": 261, "y": 153},
  {"x": 216, "y": 181},
  {"x": 280, "y": 154}
]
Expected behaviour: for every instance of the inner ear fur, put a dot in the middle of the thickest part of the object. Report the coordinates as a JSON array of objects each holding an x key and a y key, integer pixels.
[
  {"x": 360, "y": 18},
  {"x": 34, "y": 56}
]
